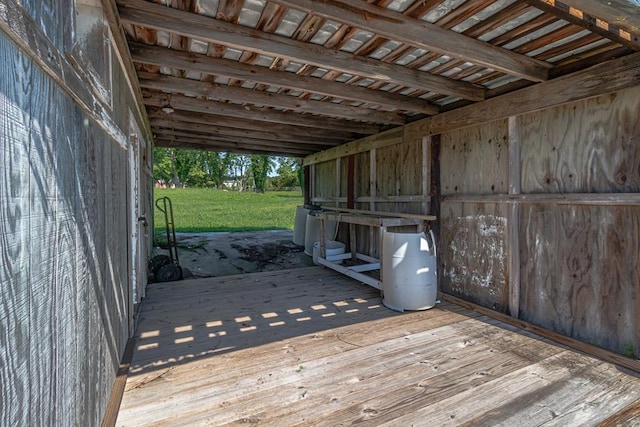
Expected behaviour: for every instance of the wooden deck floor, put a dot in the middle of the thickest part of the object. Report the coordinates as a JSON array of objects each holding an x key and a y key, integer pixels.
[{"x": 312, "y": 347}]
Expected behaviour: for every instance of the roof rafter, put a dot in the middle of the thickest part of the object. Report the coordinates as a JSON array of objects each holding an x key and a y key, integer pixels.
[
  {"x": 252, "y": 125},
  {"x": 214, "y": 131},
  {"x": 152, "y": 15},
  {"x": 181, "y": 102},
  {"x": 214, "y": 145},
  {"x": 162, "y": 56},
  {"x": 415, "y": 32},
  {"x": 239, "y": 94}
]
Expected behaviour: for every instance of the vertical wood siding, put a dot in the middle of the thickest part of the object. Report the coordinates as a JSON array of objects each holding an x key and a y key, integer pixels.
[{"x": 64, "y": 268}]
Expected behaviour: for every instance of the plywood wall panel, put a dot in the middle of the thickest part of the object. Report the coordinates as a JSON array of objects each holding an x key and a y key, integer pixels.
[
  {"x": 399, "y": 169},
  {"x": 473, "y": 254},
  {"x": 325, "y": 179},
  {"x": 475, "y": 160},
  {"x": 581, "y": 272},
  {"x": 583, "y": 147}
]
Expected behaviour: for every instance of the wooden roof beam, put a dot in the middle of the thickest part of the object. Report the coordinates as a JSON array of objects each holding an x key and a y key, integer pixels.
[
  {"x": 214, "y": 131},
  {"x": 228, "y": 148},
  {"x": 186, "y": 24},
  {"x": 252, "y": 125},
  {"x": 181, "y": 102},
  {"x": 254, "y": 142},
  {"x": 415, "y": 32},
  {"x": 241, "y": 95},
  {"x": 161, "y": 56}
]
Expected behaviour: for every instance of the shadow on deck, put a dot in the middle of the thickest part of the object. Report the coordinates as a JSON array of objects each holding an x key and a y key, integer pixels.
[{"x": 312, "y": 347}]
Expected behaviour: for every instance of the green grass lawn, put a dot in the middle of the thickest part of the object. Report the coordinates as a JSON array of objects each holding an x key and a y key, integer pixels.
[{"x": 204, "y": 210}]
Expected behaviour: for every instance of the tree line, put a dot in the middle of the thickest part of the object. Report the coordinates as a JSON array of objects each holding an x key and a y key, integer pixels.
[{"x": 179, "y": 168}]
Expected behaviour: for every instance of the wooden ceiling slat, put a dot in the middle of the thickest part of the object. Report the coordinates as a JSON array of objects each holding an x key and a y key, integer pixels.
[
  {"x": 214, "y": 31},
  {"x": 200, "y": 63},
  {"x": 584, "y": 23},
  {"x": 181, "y": 102},
  {"x": 463, "y": 12},
  {"x": 225, "y": 93},
  {"x": 621, "y": 13},
  {"x": 573, "y": 45},
  {"x": 524, "y": 29},
  {"x": 507, "y": 14},
  {"x": 396, "y": 26}
]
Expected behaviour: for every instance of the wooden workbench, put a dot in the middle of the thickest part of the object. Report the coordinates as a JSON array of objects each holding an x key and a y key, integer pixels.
[{"x": 382, "y": 221}]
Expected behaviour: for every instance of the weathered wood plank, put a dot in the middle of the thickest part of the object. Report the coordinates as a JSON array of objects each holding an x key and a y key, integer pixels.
[
  {"x": 323, "y": 351},
  {"x": 418, "y": 33},
  {"x": 513, "y": 218},
  {"x": 474, "y": 253},
  {"x": 156, "y": 114},
  {"x": 265, "y": 133},
  {"x": 181, "y": 102},
  {"x": 15, "y": 359},
  {"x": 475, "y": 160},
  {"x": 217, "y": 31},
  {"x": 225, "y": 93},
  {"x": 598, "y": 80},
  {"x": 622, "y": 13},
  {"x": 584, "y": 199},
  {"x": 20, "y": 27},
  {"x": 580, "y": 273},
  {"x": 586, "y": 146},
  {"x": 382, "y": 139},
  {"x": 160, "y": 56}
]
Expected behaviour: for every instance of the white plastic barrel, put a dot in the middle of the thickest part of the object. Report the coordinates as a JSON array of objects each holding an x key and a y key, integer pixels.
[
  {"x": 312, "y": 232},
  {"x": 299, "y": 225},
  {"x": 408, "y": 271},
  {"x": 332, "y": 248}
]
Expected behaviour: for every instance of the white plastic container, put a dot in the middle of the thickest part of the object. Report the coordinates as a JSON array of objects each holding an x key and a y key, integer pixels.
[
  {"x": 299, "y": 225},
  {"x": 408, "y": 271},
  {"x": 312, "y": 232},
  {"x": 333, "y": 248}
]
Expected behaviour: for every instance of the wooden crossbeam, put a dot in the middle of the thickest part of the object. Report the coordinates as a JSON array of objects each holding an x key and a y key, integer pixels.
[{"x": 152, "y": 15}]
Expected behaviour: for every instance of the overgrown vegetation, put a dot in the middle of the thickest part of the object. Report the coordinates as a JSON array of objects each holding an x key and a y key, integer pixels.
[{"x": 205, "y": 210}]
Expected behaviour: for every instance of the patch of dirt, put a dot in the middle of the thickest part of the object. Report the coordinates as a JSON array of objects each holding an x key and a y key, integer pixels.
[{"x": 224, "y": 254}]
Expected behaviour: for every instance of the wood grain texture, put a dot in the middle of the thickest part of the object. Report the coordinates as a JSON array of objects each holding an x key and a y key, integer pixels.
[
  {"x": 63, "y": 258},
  {"x": 581, "y": 274},
  {"x": 14, "y": 242},
  {"x": 325, "y": 180},
  {"x": 324, "y": 351},
  {"x": 585, "y": 146},
  {"x": 475, "y": 160},
  {"x": 474, "y": 253}
]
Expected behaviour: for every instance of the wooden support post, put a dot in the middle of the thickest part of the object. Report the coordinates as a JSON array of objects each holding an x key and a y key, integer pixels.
[
  {"x": 426, "y": 176},
  {"x": 307, "y": 185},
  {"x": 351, "y": 196},
  {"x": 338, "y": 180},
  {"x": 433, "y": 142},
  {"x": 372, "y": 202},
  {"x": 513, "y": 219}
]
